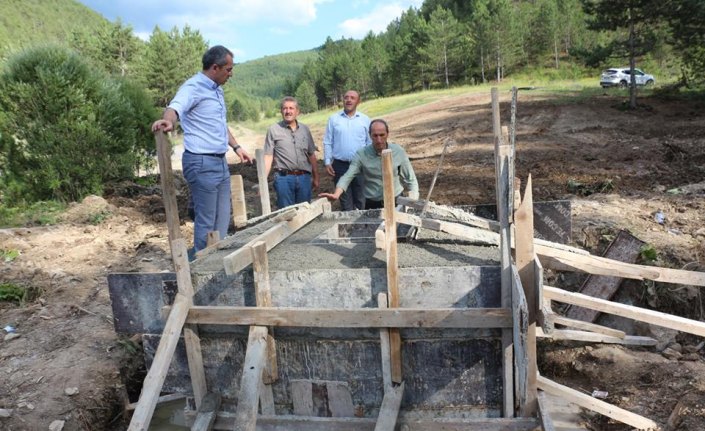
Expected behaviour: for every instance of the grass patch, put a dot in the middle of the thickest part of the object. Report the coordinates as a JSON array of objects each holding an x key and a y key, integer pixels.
[
  {"x": 10, "y": 292},
  {"x": 26, "y": 215},
  {"x": 99, "y": 217},
  {"x": 8, "y": 256}
]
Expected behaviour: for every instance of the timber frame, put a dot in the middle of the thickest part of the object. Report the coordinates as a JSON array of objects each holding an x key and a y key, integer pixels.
[{"x": 525, "y": 311}]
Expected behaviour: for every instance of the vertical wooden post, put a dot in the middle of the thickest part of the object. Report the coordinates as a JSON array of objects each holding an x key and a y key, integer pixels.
[
  {"x": 524, "y": 246},
  {"x": 248, "y": 397},
  {"x": 237, "y": 197},
  {"x": 390, "y": 228},
  {"x": 166, "y": 178},
  {"x": 212, "y": 238},
  {"x": 263, "y": 295},
  {"x": 262, "y": 181},
  {"x": 503, "y": 177},
  {"x": 384, "y": 346}
]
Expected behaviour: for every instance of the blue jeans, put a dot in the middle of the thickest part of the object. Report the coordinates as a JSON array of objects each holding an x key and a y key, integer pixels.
[
  {"x": 292, "y": 189},
  {"x": 353, "y": 198},
  {"x": 208, "y": 179}
]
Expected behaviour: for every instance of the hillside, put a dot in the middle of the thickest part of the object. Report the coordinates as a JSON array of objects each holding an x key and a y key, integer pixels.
[
  {"x": 26, "y": 22},
  {"x": 267, "y": 76}
]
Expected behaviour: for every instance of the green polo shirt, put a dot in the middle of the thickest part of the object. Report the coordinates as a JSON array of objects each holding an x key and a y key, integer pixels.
[{"x": 369, "y": 164}]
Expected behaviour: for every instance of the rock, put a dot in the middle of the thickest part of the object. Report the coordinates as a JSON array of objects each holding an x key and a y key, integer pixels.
[
  {"x": 71, "y": 391},
  {"x": 671, "y": 354},
  {"x": 664, "y": 336},
  {"x": 691, "y": 357},
  {"x": 677, "y": 347},
  {"x": 56, "y": 426},
  {"x": 12, "y": 336},
  {"x": 699, "y": 232},
  {"x": 5, "y": 413}
]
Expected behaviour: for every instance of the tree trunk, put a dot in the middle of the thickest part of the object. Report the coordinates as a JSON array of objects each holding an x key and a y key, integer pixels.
[
  {"x": 632, "y": 64},
  {"x": 482, "y": 64},
  {"x": 555, "y": 50},
  {"x": 445, "y": 63}
]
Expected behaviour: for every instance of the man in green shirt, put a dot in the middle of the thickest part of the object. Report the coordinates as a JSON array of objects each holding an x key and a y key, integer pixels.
[{"x": 368, "y": 162}]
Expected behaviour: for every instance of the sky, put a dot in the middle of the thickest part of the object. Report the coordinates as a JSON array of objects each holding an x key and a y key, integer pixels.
[{"x": 256, "y": 28}]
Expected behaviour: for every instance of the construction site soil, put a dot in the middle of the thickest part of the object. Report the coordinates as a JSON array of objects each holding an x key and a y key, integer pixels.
[{"x": 642, "y": 171}]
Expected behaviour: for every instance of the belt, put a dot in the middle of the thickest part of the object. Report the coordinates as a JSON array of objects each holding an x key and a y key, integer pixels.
[
  {"x": 285, "y": 172},
  {"x": 341, "y": 161},
  {"x": 219, "y": 155}
]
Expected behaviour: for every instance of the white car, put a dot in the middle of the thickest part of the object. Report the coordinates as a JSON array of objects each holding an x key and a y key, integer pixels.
[{"x": 619, "y": 77}]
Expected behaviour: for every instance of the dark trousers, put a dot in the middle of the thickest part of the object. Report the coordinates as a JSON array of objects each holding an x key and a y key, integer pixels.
[
  {"x": 352, "y": 198},
  {"x": 371, "y": 204}
]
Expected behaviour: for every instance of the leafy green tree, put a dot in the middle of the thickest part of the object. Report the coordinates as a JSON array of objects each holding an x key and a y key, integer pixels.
[
  {"x": 66, "y": 129},
  {"x": 408, "y": 65},
  {"x": 114, "y": 47},
  {"x": 169, "y": 59},
  {"x": 687, "y": 22},
  {"x": 444, "y": 38},
  {"x": 376, "y": 59},
  {"x": 637, "y": 18},
  {"x": 306, "y": 97}
]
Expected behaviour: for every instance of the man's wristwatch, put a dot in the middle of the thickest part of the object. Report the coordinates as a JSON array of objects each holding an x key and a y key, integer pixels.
[{"x": 235, "y": 148}]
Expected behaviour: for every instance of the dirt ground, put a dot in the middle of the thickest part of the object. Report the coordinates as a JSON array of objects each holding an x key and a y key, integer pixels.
[{"x": 618, "y": 168}]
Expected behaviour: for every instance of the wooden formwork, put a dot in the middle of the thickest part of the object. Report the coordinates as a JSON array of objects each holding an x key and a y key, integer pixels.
[{"x": 525, "y": 313}]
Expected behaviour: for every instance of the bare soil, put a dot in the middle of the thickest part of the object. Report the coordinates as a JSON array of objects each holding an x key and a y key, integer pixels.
[{"x": 619, "y": 168}]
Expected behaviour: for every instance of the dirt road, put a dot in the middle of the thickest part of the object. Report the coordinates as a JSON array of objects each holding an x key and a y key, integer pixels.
[{"x": 618, "y": 168}]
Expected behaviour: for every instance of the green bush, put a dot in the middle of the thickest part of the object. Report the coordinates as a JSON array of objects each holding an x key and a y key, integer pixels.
[{"x": 67, "y": 129}]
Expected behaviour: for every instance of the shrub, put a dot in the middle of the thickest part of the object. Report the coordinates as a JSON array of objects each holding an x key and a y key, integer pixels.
[{"x": 66, "y": 129}]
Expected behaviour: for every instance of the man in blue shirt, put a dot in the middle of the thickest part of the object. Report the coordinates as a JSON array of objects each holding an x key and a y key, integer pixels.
[
  {"x": 347, "y": 132},
  {"x": 200, "y": 107}
]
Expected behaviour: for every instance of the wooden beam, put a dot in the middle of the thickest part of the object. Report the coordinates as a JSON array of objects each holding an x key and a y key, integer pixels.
[
  {"x": 352, "y": 318},
  {"x": 311, "y": 423},
  {"x": 240, "y": 258},
  {"x": 154, "y": 380},
  {"x": 520, "y": 321},
  {"x": 266, "y": 399},
  {"x": 524, "y": 252},
  {"x": 380, "y": 240},
  {"x": 641, "y": 314},
  {"x": 237, "y": 197},
  {"x": 263, "y": 298},
  {"x": 340, "y": 401},
  {"x": 166, "y": 178},
  {"x": 390, "y": 247},
  {"x": 248, "y": 396},
  {"x": 162, "y": 399},
  {"x": 585, "y": 326},
  {"x": 207, "y": 413},
  {"x": 302, "y": 397},
  {"x": 475, "y": 234},
  {"x": 462, "y": 217},
  {"x": 192, "y": 339},
  {"x": 263, "y": 184},
  {"x": 561, "y": 260},
  {"x": 592, "y": 337},
  {"x": 212, "y": 238},
  {"x": 544, "y": 413},
  {"x": 590, "y": 403},
  {"x": 387, "y": 418},
  {"x": 384, "y": 345},
  {"x": 624, "y": 248}
]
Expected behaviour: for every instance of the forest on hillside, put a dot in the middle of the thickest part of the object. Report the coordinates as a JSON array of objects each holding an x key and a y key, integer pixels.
[{"x": 66, "y": 106}]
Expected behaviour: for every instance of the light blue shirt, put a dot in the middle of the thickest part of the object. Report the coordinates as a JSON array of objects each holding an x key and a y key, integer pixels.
[
  {"x": 344, "y": 136},
  {"x": 201, "y": 108}
]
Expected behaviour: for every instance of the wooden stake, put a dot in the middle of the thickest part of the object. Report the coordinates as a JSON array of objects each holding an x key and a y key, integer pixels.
[
  {"x": 263, "y": 295},
  {"x": 263, "y": 184},
  {"x": 167, "y": 181},
  {"x": 384, "y": 346},
  {"x": 387, "y": 418},
  {"x": 237, "y": 196},
  {"x": 390, "y": 231},
  {"x": 248, "y": 397}
]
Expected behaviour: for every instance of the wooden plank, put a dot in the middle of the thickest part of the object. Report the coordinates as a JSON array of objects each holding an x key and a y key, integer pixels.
[
  {"x": 641, "y": 314},
  {"x": 520, "y": 320},
  {"x": 263, "y": 184},
  {"x": 161, "y": 400},
  {"x": 352, "y": 318},
  {"x": 154, "y": 380},
  {"x": 585, "y": 326},
  {"x": 544, "y": 412},
  {"x": 212, "y": 238},
  {"x": 524, "y": 252},
  {"x": 561, "y": 260},
  {"x": 248, "y": 396},
  {"x": 266, "y": 399},
  {"x": 592, "y": 337},
  {"x": 379, "y": 237},
  {"x": 340, "y": 401},
  {"x": 239, "y": 259},
  {"x": 388, "y": 412},
  {"x": 390, "y": 247},
  {"x": 384, "y": 345},
  {"x": 311, "y": 423},
  {"x": 207, "y": 413},
  {"x": 475, "y": 234},
  {"x": 237, "y": 197},
  {"x": 166, "y": 179},
  {"x": 263, "y": 298},
  {"x": 302, "y": 397},
  {"x": 590, "y": 403},
  {"x": 457, "y": 214},
  {"x": 624, "y": 248},
  {"x": 191, "y": 337}
]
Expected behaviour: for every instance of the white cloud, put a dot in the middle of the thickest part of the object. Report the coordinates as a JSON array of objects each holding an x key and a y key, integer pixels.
[
  {"x": 375, "y": 21},
  {"x": 233, "y": 12}
]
